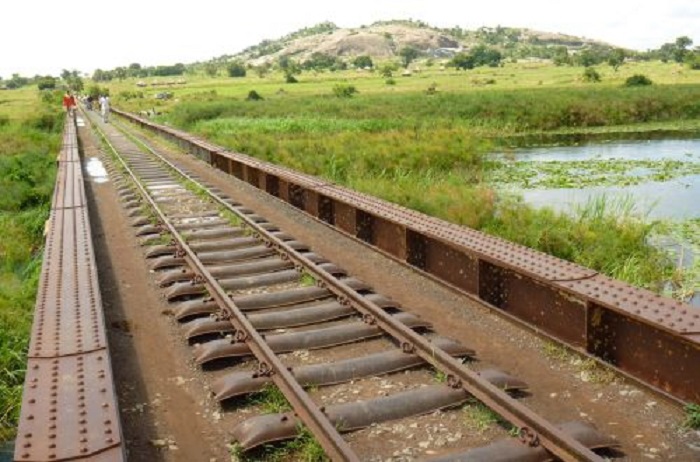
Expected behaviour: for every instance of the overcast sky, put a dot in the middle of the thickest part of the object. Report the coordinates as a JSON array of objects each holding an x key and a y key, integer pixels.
[{"x": 46, "y": 36}]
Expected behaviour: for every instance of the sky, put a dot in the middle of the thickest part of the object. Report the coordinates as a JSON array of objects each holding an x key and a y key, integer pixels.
[{"x": 46, "y": 36}]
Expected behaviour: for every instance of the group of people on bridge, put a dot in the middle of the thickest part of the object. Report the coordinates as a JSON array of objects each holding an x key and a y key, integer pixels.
[{"x": 69, "y": 104}]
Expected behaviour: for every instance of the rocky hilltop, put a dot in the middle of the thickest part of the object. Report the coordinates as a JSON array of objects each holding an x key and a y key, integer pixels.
[{"x": 385, "y": 39}]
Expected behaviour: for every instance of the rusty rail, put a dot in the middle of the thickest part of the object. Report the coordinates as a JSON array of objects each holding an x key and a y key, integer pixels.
[
  {"x": 312, "y": 416},
  {"x": 548, "y": 435},
  {"x": 69, "y": 407},
  {"x": 649, "y": 338}
]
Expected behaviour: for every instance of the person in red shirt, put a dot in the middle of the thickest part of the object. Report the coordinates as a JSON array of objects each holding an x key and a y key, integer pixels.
[{"x": 69, "y": 102}]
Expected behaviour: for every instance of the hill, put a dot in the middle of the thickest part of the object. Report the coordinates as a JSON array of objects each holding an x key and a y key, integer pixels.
[{"x": 384, "y": 39}]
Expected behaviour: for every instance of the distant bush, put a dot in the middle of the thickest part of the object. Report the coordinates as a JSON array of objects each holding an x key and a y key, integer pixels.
[
  {"x": 236, "y": 69},
  {"x": 4, "y": 120},
  {"x": 390, "y": 81},
  {"x": 591, "y": 75},
  {"x": 46, "y": 83},
  {"x": 289, "y": 78},
  {"x": 638, "y": 80},
  {"x": 253, "y": 96},
  {"x": 344, "y": 91},
  {"x": 127, "y": 95}
]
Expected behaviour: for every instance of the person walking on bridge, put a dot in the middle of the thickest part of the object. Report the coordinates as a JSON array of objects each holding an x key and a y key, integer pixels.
[
  {"x": 104, "y": 106},
  {"x": 69, "y": 103}
]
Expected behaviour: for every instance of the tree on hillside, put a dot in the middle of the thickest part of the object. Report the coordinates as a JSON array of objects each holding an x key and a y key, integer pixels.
[
  {"x": 262, "y": 70},
  {"x": 486, "y": 56},
  {"x": 363, "y": 61},
  {"x": 408, "y": 55},
  {"x": 236, "y": 69},
  {"x": 319, "y": 61}
]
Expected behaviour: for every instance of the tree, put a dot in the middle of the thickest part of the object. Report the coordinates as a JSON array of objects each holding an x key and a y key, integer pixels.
[
  {"x": 135, "y": 70},
  {"x": 319, "y": 61},
  {"x": 46, "y": 83},
  {"x": 211, "y": 69},
  {"x": 236, "y": 69},
  {"x": 262, "y": 70},
  {"x": 591, "y": 75},
  {"x": 462, "y": 61},
  {"x": 681, "y": 49},
  {"x": 560, "y": 55},
  {"x": 290, "y": 68},
  {"x": 486, "y": 56},
  {"x": 616, "y": 58},
  {"x": 638, "y": 80},
  {"x": 363, "y": 61},
  {"x": 408, "y": 55}
]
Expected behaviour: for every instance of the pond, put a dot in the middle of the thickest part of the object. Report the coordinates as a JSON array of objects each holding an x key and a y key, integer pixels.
[
  {"x": 660, "y": 179},
  {"x": 661, "y": 176}
]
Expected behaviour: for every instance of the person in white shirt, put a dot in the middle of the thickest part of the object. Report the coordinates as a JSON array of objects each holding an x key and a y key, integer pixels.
[{"x": 104, "y": 106}]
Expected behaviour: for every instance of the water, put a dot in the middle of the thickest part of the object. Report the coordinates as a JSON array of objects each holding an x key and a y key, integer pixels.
[
  {"x": 678, "y": 198},
  {"x": 96, "y": 170},
  {"x": 7, "y": 449}
]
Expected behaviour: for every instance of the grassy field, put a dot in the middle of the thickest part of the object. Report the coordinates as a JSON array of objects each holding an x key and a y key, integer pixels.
[
  {"x": 423, "y": 141},
  {"x": 29, "y": 142}
]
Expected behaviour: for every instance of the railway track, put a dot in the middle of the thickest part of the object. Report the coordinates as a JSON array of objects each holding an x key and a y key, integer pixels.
[
  {"x": 265, "y": 315},
  {"x": 245, "y": 289}
]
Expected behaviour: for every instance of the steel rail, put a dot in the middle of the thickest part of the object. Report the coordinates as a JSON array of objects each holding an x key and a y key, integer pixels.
[
  {"x": 312, "y": 416},
  {"x": 534, "y": 430}
]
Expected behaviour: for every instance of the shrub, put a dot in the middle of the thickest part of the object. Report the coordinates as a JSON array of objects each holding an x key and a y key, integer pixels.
[
  {"x": 390, "y": 81},
  {"x": 236, "y": 69},
  {"x": 253, "y": 96},
  {"x": 46, "y": 121},
  {"x": 289, "y": 78},
  {"x": 637, "y": 80},
  {"x": 591, "y": 75},
  {"x": 344, "y": 91}
]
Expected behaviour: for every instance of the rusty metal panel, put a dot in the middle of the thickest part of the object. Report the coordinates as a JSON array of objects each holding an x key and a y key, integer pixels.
[
  {"x": 656, "y": 356},
  {"x": 641, "y": 304},
  {"x": 326, "y": 209},
  {"x": 312, "y": 203},
  {"x": 251, "y": 175},
  {"x": 68, "y": 190},
  {"x": 297, "y": 196},
  {"x": 68, "y": 312},
  {"x": 68, "y": 409},
  {"x": 271, "y": 185},
  {"x": 549, "y": 309},
  {"x": 283, "y": 189},
  {"x": 390, "y": 237},
  {"x": 364, "y": 226},
  {"x": 344, "y": 217},
  {"x": 451, "y": 265}
]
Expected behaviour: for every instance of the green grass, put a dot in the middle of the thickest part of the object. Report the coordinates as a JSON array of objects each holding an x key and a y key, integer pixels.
[
  {"x": 302, "y": 448},
  {"x": 429, "y": 152},
  {"x": 29, "y": 143},
  {"x": 692, "y": 416}
]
